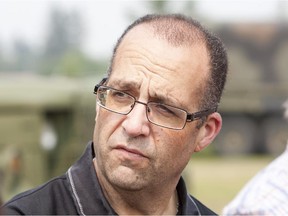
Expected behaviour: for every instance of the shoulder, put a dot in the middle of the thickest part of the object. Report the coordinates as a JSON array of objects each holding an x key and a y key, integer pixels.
[
  {"x": 50, "y": 198},
  {"x": 264, "y": 191},
  {"x": 188, "y": 204},
  {"x": 202, "y": 209}
]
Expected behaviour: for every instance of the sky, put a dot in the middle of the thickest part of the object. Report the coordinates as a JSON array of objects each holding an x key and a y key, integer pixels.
[{"x": 27, "y": 18}]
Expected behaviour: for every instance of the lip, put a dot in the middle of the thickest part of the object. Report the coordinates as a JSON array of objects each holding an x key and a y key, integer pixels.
[{"x": 130, "y": 151}]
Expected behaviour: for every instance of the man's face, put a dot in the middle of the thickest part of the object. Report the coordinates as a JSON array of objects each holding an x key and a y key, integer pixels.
[{"x": 132, "y": 153}]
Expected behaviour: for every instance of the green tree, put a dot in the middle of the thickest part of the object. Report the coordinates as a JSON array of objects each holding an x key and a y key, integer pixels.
[
  {"x": 65, "y": 32},
  {"x": 24, "y": 56},
  {"x": 62, "y": 49}
]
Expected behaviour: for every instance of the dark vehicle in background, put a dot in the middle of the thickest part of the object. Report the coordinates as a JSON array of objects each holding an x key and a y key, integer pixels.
[
  {"x": 45, "y": 123},
  {"x": 257, "y": 87}
]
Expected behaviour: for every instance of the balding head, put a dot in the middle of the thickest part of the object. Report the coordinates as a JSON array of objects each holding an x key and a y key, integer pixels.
[{"x": 179, "y": 30}]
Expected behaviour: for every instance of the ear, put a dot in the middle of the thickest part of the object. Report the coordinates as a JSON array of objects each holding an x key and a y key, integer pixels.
[{"x": 209, "y": 131}]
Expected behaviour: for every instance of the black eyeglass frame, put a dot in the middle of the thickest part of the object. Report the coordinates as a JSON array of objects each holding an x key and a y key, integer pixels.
[{"x": 189, "y": 116}]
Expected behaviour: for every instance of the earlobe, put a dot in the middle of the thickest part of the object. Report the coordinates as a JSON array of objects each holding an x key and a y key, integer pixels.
[{"x": 209, "y": 131}]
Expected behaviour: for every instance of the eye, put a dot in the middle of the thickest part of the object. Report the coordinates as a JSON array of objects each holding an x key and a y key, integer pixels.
[
  {"x": 120, "y": 96},
  {"x": 165, "y": 109}
]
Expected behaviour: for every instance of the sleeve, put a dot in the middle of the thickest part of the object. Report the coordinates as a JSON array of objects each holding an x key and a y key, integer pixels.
[{"x": 265, "y": 194}]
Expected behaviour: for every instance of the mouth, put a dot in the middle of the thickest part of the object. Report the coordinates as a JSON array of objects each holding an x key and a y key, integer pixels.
[{"x": 131, "y": 153}]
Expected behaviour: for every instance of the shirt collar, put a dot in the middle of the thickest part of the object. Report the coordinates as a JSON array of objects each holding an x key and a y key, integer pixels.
[{"x": 88, "y": 195}]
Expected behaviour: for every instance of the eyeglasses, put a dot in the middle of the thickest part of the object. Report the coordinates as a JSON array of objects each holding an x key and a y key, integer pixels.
[{"x": 157, "y": 113}]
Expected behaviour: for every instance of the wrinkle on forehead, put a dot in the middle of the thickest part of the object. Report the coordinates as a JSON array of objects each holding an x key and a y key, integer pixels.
[
  {"x": 146, "y": 58},
  {"x": 175, "y": 74},
  {"x": 158, "y": 93}
]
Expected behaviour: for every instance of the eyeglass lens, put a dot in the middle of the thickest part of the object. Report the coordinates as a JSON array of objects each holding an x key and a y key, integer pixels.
[{"x": 159, "y": 114}]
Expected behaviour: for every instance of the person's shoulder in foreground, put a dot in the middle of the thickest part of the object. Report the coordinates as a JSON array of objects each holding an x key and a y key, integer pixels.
[
  {"x": 266, "y": 193},
  {"x": 75, "y": 194},
  {"x": 154, "y": 110}
]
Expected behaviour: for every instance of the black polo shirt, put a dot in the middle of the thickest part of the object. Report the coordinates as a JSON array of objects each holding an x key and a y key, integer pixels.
[{"x": 78, "y": 192}]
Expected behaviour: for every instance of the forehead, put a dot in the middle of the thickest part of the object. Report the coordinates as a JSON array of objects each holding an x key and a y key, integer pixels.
[{"x": 171, "y": 70}]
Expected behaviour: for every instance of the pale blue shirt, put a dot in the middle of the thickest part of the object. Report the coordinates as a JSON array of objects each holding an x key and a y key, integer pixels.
[{"x": 264, "y": 194}]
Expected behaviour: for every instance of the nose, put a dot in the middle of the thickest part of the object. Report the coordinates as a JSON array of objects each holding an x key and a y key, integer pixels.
[{"x": 136, "y": 123}]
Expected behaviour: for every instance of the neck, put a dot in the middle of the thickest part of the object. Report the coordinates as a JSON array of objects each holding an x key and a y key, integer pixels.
[
  {"x": 139, "y": 203},
  {"x": 136, "y": 204},
  {"x": 143, "y": 202}
]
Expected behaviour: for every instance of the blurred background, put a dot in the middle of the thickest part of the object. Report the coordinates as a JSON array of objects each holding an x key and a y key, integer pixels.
[{"x": 52, "y": 53}]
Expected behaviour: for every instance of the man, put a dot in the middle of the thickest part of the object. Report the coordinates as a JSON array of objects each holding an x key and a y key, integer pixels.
[
  {"x": 267, "y": 192},
  {"x": 157, "y": 107}
]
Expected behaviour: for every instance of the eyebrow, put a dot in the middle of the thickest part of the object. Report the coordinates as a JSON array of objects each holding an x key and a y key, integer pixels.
[
  {"x": 131, "y": 85},
  {"x": 124, "y": 84},
  {"x": 159, "y": 98}
]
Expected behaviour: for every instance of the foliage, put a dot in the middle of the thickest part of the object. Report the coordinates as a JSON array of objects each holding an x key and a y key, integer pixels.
[
  {"x": 59, "y": 55},
  {"x": 73, "y": 64},
  {"x": 62, "y": 50},
  {"x": 65, "y": 32}
]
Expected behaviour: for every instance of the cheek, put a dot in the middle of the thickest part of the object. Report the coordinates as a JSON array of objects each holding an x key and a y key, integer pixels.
[
  {"x": 183, "y": 139},
  {"x": 105, "y": 125},
  {"x": 107, "y": 119},
  {"x": 173, "y": 152},
  {"x": 178, "y": 145}
]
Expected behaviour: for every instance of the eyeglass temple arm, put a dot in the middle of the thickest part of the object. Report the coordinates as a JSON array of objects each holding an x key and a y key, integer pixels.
[
  {"x": 99, "y": 84},
  {"x": 200, "y": 114}
]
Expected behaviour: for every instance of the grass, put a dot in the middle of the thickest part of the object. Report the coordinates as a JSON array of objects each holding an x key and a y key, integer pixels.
[{"x": 216, "y": 180}]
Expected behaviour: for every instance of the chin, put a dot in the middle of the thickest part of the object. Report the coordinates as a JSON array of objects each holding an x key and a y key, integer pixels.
[{"x": 127, "y": 179}]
